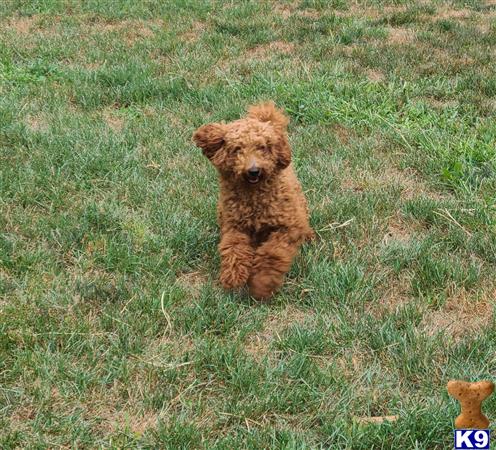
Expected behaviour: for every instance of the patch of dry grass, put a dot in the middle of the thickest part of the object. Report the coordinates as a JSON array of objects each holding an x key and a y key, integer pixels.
[
  {"x": 265, "y": 51},
  {"x": 22, "y": 25},
  {"x": 37, "y": 123},
  {"x": 463, "y": 314},
  {"x": 400, "y": 36},
  {"x": 114, "y": 121}
]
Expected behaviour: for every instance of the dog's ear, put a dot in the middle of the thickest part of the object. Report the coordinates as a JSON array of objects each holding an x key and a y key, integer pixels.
[
  {"x": 267, "y": 112},
  {"x": 283, "y": 153},
  {"x": 209, "y": 138}
]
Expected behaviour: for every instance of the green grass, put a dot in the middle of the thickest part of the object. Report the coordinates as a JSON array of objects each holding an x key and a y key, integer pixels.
[{"x": 114, "y": 332}]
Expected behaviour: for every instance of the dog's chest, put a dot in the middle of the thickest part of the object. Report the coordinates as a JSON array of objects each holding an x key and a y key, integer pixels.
[{"x": 253, "y": 213}]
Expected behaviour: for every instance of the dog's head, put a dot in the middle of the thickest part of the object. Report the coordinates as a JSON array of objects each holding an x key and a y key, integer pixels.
[{"x": 252, "y": 149}]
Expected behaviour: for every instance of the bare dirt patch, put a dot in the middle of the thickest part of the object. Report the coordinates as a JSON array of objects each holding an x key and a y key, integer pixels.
[
  {"x": 462, "y": 314},
  {"x": 441, "y": 104},
  {"x": 445, "y": 12},
  {"x": 343, "y": 133},
  {"x": 483, "y": 18},
  {"x": 399, "y": 36},
  {"x": 448, "y": 13},
  {"x": 35, "y": 25},
  {"x": 310, "y": 13},
  {"x": 92, "y": 65},
  {"x": 192, "y": 282},
  {"x": 110, "y": 418},
  {"x": 135, "y": 422},
  {"x": 36, "y": 123},
  {"x": 484, "y": 26},
  {"x": 490, "y": 104},
  {"x": 397, "y": 231},
  {"x": 435, "y": 57},
  {"x": 22, "y": 25},
  {"x": 406, "y": 180},
  {"x": 409, "y": 184},
  {"x": 284, "y": 11},
  {"x": 375, "y": 76},
  {"x": 350, "y": 50},
  {"x": 130, "y": 31},
  {"x": 195, "y": 32},
  {"x": 352, "y": 362},
  {"x": 113, "y": 121},
  {"x": 281, "y": 46},
  {"x": 263, "y": 52},
  {"x": 258, "y": 343},
  {"x": 21, "y": 415}
]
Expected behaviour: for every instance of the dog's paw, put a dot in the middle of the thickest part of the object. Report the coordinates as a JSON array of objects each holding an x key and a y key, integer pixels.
[
  {"x": 232, "y": 279},
  {"x": 263, "y": 286},
  {"x": 260, "y": 292},
  {"x": 310, "y": 235}
]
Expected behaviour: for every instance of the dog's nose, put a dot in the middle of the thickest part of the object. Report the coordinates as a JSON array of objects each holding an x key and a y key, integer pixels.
[{"x": 254, "y": 171}]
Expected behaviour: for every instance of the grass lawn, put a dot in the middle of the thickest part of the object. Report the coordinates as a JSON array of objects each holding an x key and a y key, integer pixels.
[{"x": 114, "y": 331}]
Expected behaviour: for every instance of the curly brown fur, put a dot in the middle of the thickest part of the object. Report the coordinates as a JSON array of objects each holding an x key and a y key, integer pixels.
[{"x": 262, "y": 211}]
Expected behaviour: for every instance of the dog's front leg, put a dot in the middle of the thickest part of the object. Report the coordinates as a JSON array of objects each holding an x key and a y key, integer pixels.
[
  {"x": 272, "y": 260},
  {"x": 236, "y": 255}
]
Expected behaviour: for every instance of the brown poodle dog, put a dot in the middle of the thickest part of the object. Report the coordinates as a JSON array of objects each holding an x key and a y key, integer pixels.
[{"x": 262, "y": 211}]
